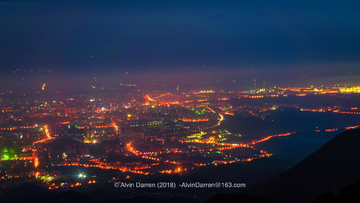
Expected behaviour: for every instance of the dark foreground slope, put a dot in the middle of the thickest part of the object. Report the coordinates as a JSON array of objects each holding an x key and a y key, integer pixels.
[
  {"x": 32, "y": 193},
  {"x": 332, "y": 167}
]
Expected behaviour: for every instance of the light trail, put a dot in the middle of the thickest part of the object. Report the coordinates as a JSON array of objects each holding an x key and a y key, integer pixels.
[
  {"x": 47, "y": 134},
  {"x": 149, "y": 98},
  {"x": 24, "y": 158},
  {"x": 36, "y": 158}
]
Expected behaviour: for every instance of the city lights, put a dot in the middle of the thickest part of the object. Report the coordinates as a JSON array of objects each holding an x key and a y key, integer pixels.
[{"x": 159, "y": 133}]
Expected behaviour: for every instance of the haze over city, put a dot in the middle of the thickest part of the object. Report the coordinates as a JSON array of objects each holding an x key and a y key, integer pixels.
[{"x": 104, "y": 101}]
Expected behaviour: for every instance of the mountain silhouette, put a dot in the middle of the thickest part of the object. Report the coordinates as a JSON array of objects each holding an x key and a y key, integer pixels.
[
  {"x": 23, "y": 193},
  {"x": 332, "y": 167},
  {"x": 29, "y": 192},
  {"x": 349, "y": 194},
  {"x": 235, "y": 198}
]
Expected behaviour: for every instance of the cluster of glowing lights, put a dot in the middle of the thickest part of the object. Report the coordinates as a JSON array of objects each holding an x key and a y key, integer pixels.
[
  {"x": 347, "y": 112},
  {"x": 150, "y": 158},
  {"x": 294, "y": 89},
  {"x": 107, "y": 166},
  {"x": 216, "y": 162},
  {"x": 351, "y": 127},
  {"x": 36, "y": 162},
  {"x": 353, "y": 89},
  {"x": 332, "y": 110},
  {"x": 17, "y": 158},
  {"x": 229, "y": 146},
  {"x": 255, "y": 97},
  {"x": 331, "y": 130},
  {"x": 199, "y": 164},
  {"x": 47, "y": 134},
  {"x": 177, "y": 170},
  {"x": 149, "y": 98},
  {"x": 65, "y": 185},
  {"x": 226, "y": 112},
  {"x": 328, "y": 92},
  {"x": 195, "y": 119},
  {"x": 172, "y": 162},
  {"x": 204, "y": 92},
  {"x": 212, "y": 110},
  {"x": 82, "y": 175},
  {"x": 46, "y": 130},
  {"x": 21, "y": 127},
  {"x": 202, "y": 100},
  {"x": 131, "y": 149},
  {"x": 116, "y": 127},
  {"x": 269, "y": 137},
  {"x": 313, "y": 110},
  {"x": 221, "y": 119}
]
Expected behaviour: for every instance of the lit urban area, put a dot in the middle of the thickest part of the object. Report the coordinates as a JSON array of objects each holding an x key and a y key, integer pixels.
[{"x": 138, "y": 132}]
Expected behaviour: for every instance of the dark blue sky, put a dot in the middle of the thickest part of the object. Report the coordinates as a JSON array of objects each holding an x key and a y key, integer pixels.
[{"x": 162, "y": 35}]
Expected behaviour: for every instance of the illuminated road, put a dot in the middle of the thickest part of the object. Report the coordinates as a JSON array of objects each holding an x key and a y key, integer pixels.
[
  {"x": 47, "y": 134},
  {"x": 36, "y": 158}
]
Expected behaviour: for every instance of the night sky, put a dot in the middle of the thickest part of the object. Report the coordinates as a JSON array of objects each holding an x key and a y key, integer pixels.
[{"x": 98, "y": 36}]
